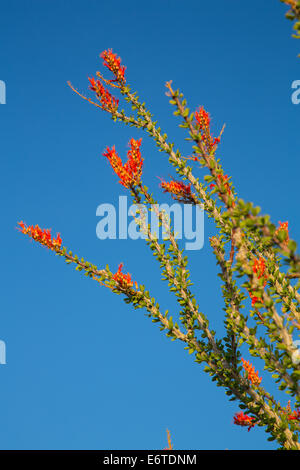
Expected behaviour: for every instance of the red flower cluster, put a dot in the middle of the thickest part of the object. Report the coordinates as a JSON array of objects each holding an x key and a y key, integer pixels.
[
  {"x": 283, "y": 227},
  {"x": 203, "y": 124},
  {"x": 254, "y": 298},
  {"x": 135, "y": 161},
  {"x": 225, "y": 181},
  {"x": 113, "y": 63},
  {"x": 243, "y": 420},
  {"x": 124, "y": 280},
  {"x": 131, "y": 172},
  {"x": 108, "y": 102},
  {"x": 259, "y": 268},
  {"x": 252, "y": 375},
  {"x": 295, "y": 415},
  {"x": 178, "y": 190},
  {"x": 41, "y": 236}
]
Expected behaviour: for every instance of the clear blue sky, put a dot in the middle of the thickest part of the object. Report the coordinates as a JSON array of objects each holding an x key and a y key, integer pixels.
[{"x": 83, "y": 369}]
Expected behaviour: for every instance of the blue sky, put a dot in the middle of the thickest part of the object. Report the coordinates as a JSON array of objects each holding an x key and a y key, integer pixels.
[{"x": 84, "y": 370}]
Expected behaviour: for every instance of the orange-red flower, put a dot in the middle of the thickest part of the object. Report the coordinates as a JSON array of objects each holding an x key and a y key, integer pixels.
[
  {"x": 113, "y": 63},
  {"x": 124, "y": 280},
  {"x": 41, "y": 236},
  {"x": 202, "y": 118},
  {"x": 178, "y": 190},
  {"x": 225, "y": 181},
  {"x": 259, "y": 269},
  {"x": 131, "y": 172},
  {"x": 283, "y": 227},
  {"x": 135, "y": 161},
  {"x": 254, "y": 298},
  {"x": 107, "y": 100},
  {"x": 252, "y": 375},
  {"x": 295, "y": 415},
  {"x": 244, "y": 420}
]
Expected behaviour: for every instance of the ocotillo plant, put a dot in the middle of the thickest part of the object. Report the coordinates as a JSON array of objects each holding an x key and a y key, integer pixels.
[
  {"x": 294, "y": 15},
  {"x": 256, "y": 259}
]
